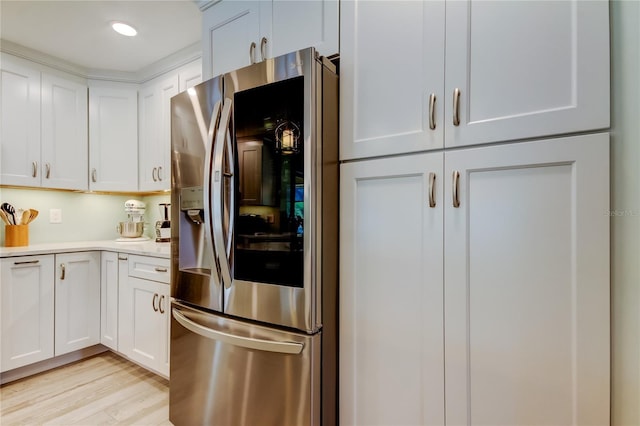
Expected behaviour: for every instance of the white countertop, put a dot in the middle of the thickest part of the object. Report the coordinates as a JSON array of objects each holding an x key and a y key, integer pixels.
[{"x": 145, "y": 248}]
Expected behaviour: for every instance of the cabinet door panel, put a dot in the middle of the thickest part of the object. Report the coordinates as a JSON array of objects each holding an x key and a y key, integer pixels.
[
  {"x": 527, "y": 284},
  {"x": 526, "y": 69},
  {"x": 20, "y": 119},
  {"x": 304, "y": 23},
  {"x": 26, "y": 314},
  {"x": 229, "y": 28},
  {"x": 391, "y": 329},
  {"x": 113, "y": 135},
  {"x": 65, "y": 146},
  {"x": 77, "y": 301},
  {"x": 392, "y": 60},
  {"x": 109, "y": 300}
]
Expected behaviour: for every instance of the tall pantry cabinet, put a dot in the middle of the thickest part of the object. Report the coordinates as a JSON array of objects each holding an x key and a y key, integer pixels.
[{"x": 474, "y": 267}]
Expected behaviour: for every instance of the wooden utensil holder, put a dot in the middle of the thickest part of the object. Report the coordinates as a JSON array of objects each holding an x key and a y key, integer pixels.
[{"x": 16, "y": 235}]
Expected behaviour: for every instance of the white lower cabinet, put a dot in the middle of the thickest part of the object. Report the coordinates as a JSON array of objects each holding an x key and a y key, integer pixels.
[
  {"x": 109, "y": 274},
  {"x": 77, "y": 301},
  {"x": 492, "y": 307},
  {"x": 144, "y": 313},
  {"x": 27, "y": 310}
]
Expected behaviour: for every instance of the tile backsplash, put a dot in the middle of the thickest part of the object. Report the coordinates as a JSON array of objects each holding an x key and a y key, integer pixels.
[{"x": 85, "y": 216}]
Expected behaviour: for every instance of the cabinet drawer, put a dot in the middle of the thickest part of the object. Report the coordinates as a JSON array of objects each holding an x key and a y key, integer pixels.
[{"x": 149, "y": 268}]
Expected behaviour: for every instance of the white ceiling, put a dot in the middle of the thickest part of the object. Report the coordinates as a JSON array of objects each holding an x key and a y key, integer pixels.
[{"x": 80, "y": 32}]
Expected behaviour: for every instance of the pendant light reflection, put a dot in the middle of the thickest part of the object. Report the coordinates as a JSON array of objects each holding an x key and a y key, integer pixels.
[{"x": 287, "y": 136}]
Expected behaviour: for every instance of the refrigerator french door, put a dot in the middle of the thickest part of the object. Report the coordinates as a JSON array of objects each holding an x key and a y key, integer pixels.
[{"x": 254, "y": 246}]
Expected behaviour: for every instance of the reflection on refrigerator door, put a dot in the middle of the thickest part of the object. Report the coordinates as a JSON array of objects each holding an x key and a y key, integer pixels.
[{"x": 228, "y": 372}]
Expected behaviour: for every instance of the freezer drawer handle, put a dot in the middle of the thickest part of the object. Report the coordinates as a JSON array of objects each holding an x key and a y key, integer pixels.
[{"x": 245, "y": 342}]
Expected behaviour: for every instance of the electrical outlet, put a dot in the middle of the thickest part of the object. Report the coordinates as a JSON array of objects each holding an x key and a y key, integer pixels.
[{"x": 55, "y": 215}]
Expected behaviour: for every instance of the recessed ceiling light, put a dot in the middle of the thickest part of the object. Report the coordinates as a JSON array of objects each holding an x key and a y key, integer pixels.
[{"x": 124, "y": 29}]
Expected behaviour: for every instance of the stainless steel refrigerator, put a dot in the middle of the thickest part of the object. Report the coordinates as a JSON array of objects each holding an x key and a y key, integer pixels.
[{"x": 254, "y": 246}]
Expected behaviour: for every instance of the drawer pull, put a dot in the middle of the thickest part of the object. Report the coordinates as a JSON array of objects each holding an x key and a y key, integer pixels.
[
  {"x": 123, "y": 258},
  {"x": 161, "y": 269},
  {"x": 26, "y": 262}
]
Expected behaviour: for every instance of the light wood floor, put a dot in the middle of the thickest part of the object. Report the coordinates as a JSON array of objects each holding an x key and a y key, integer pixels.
[{"x": 103, "y": 390}]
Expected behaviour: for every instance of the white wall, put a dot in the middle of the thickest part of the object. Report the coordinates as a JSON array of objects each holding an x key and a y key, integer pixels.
[
  {"x": 625, "y": 206},
  {"x": 85, "y": 217}
]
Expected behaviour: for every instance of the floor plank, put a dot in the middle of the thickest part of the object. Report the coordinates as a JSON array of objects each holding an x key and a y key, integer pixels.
[{"x": 102, "y": 390}]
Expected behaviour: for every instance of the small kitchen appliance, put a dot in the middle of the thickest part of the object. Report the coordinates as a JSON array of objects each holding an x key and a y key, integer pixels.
[
  {"x": 163, "y": 227},
  {"x": 134, "y": 227}
]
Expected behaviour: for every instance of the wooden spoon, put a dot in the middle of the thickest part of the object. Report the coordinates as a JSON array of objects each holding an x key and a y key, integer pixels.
[
  {"x": 4, "y": 217},
  {"x": 32, "y": 214},
  {"x": 26, "y": 217}
]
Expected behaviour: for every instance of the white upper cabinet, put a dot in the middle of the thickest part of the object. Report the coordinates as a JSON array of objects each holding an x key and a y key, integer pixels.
[
  {"x": 190, "y": 75},
  {"x": 239, "y": 33},
  {"x": 391, "y": 72},
  {"x": 20, "y": 119},
  {"x": 432, "y": 74},
  {"x": 155, "y": 133},
  {"x": 44, "y": 126},
  {"x": 525, "y": 69},
  {"x": 113, "y": 138},
  {"x": 65, "y": 144}
]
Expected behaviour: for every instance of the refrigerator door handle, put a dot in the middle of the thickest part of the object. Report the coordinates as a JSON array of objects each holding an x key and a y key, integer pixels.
[
  {"x": 208, "y": 160},
  {"x": 245, "y": 342},
  {"x": 217, "y": 193}
]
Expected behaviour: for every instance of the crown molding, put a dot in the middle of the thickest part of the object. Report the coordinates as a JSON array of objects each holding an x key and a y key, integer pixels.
[{"x": 164, "y": 65}]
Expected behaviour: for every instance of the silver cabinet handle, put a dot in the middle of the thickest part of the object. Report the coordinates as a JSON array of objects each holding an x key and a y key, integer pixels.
[
  {"x": 432, "y": 185},
  {"x": 47, "y": 166},
  {"x": 456, "y": 184},
  {"x": 432, "y": 111},
  {"x": 154, "y": 173},
  {"x": 252, "y": 53},
  {"x": 160, "y": 173},
  {"x": 153, "y": 302},
  {"x": 244, "y": 342},
  {"x": 263, "y": 48},
  {"x": 158, "y": 269},
  {"x": 27, "y": 262},
  {"x": 94, "y": 175},
  {"x": 63, "y": 271},
  {"x": 34, "y": 169},
  {"x": 161, "y": 304},
  {"x": 456, "y": 107}
]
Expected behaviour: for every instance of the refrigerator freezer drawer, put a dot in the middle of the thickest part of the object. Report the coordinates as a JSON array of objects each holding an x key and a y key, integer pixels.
[{"x": 229, "y": 372}]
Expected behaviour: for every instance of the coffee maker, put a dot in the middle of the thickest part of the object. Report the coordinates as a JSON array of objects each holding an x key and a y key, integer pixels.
[{"x": 163, "y": 227}]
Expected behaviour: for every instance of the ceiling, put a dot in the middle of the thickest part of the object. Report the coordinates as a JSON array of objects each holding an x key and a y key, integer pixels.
[{"x": 80, "y": 32}]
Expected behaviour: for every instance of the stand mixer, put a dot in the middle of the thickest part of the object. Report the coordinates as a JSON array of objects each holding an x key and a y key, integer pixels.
[{"x": 134, "y": 227}]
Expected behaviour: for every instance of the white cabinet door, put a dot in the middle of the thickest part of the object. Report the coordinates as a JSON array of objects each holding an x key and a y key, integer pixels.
[
  {"x": 304, "y": 23},
  {"x": 109, "y": 299},
  {"x": 526, "y": 69},
  {"x": 64, "y": 133},
  {"x": 527, "y": 283},
  {"x": 113, "y": 138},
  {"x": 20, "y": 120},
  {"x": 155, "y": 133},
  {"x": 26, "y": 310},
  {"x": 144, "y": 311},
  {"x": 229, "y": 29},
  {"x": 391, "y": 67},
  {"x": 77, "y": 307},
  {"x": 190, "y": 75},
  {"x": 391, "y": 277}
]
